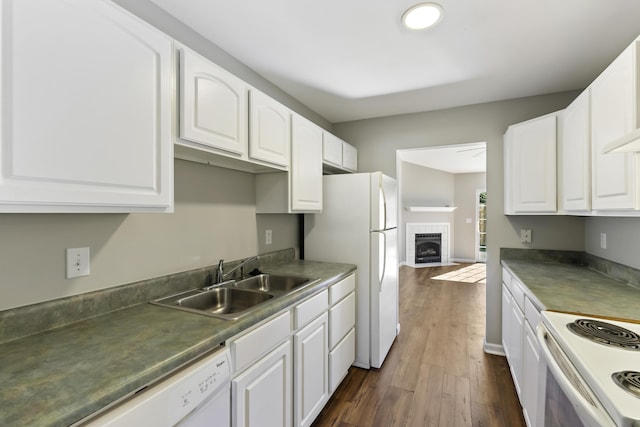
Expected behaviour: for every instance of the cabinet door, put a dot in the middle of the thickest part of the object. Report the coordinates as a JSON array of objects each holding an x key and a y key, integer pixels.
[
  {"x": 530, "y": 374},
  {"x": 305, "y": 178},
  {"x": 213, "y": 105},
  {"x": 506, "y": 317},
  {"x": 270, "y": 129},
  {"x": 86, "y": 109},
  {"x": 533, "y": 166},
  {"x": 311, "y": 372},
  {"x": 613, "y": 99},
  {"x": 516, "y": 338},
  {"x": 349, "y": 157},
  {"x": 341, "y": 357},
  {"x": 575, "y": 155},
  {"x": 332, "y": 150},
  {"x": 261, "y": 396}
]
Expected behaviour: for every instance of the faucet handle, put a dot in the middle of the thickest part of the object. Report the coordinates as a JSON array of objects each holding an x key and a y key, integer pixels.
[{"x": 220, "y": 271}]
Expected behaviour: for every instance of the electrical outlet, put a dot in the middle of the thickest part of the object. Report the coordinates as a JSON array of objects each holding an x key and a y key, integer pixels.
[
  {"x": 525, "y": 236},
  {"x": 268, "y": 237},
  {"x": 603, "y": 240},
  {"x": 77, "y": 262}
]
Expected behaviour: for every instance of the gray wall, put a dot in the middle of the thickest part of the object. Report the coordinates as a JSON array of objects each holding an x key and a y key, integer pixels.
[
  {"x": 464, "y": 239},
  {"x": 623, "y": 239},
  {"x": 214, "y": 218},
  {"x": 378, "y": 139}
]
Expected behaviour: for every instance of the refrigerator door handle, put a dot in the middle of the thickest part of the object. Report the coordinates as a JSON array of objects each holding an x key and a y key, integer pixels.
[{"x": 384, "y": 260}]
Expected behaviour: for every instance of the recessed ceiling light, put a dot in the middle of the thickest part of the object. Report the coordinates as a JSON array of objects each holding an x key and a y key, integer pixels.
[{"x": 421, "y": 16}]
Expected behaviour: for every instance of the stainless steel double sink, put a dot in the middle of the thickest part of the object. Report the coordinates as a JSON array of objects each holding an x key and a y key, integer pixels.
[{"x": 234, "y": 299}]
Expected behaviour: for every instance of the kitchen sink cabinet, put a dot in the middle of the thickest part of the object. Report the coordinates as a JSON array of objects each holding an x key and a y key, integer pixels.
[
  {"x": 574, "y": 152},
  {"x": 300, "y": 189},
  {"x": 286, "y": 367},
  {"x": 530, "y": 167},
  {"x": 261, "y": 396},
  {"x": 213, "y": 105},
  {"x": 614, "y": 113},
  {"x": 311, "y": 377},
  {"x": 261, "y": 384},
  {"x": 86, "y": 109},
  {"x": 269, "y": 129}
]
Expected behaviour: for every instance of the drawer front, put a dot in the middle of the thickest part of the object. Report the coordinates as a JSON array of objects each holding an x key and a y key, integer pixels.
[
  {"x": 506, "y": 278},
  {"x": 531, "y": 313},
  {"x": 342, "y": 289},
  {"x": 342, "y": 318},
  {"x": 340, "y": 359},
  {"x": 253, "y": 345},
  {"x": 310, "y": 309},
  {"x": 517, "y": 290}
]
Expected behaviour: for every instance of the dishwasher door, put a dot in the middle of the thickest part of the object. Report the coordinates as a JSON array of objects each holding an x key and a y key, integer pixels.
[{"x": 196, "y": 396}]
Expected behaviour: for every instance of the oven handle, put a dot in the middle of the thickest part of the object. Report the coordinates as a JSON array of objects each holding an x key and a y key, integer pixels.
[{"x": 586, "y": 405}]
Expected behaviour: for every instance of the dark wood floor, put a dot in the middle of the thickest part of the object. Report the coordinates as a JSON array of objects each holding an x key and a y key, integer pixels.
[{"x": 436, "y": 373}]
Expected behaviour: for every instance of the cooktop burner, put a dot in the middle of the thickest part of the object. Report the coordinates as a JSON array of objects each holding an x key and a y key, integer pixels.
[
  {"x": 629, "y": 381},
  {"x": 606, "y": 333}
]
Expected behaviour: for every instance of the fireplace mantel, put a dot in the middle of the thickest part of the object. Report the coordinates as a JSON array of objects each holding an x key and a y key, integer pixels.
[{"x": 431, "y": 208}]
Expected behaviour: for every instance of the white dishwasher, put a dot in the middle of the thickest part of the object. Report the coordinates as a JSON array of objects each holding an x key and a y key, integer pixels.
[{"x": 196, "y": 396}]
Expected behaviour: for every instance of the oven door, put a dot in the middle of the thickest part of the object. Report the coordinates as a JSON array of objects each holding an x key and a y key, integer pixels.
[{"x": 567, "y": 399}]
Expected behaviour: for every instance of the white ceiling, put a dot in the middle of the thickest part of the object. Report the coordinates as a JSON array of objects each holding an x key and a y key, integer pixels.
[
  {"x": 351, "y": 59},
  {"x": 463, "y": 158}
]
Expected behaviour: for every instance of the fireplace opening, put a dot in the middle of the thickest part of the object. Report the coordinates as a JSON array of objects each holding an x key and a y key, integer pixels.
[{"x": 428, "y": 248}]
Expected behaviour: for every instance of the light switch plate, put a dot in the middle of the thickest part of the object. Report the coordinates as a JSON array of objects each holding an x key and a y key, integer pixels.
[
  {"x": 525, "y": 236},
  {"x": 77, "y": 262}
]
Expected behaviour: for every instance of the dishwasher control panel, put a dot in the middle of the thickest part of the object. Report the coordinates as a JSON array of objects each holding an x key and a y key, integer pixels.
[
  {"x": 178, "y": 397},
  {"x": 195, "y": 388}
]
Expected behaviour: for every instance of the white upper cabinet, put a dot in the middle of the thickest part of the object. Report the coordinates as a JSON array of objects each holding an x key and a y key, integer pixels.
[
  {"x": 86, "y": 116},
  {"x": 614, "y": 113},
  {"x": 305, "y": 174},
  {"x": 213, "y": 105},
  {"x": 338, "y": 156},
  {"x": 349, "y": 157},
  {"x": 270, "y": 129},
  {"x": 530, "y": 166},
  {"x": 300, "y": 189},
  {"x": 574, "y": 151},
  {"x": 332, "y": 150}
]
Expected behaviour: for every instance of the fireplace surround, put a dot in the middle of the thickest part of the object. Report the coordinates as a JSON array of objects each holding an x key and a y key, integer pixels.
[{"x": 414, "y": 229}]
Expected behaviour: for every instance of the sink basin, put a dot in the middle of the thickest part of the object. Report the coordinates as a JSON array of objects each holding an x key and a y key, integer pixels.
[
  {"x": 227, "y": 303},
  {"x": 273, "y": 283}
]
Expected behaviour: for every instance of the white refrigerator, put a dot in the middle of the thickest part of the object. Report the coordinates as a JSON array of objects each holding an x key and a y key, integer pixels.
[{"x": 358, "y": 225}]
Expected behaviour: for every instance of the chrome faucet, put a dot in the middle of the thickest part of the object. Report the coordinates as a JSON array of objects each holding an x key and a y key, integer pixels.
[{"x": 220, "y": 274}]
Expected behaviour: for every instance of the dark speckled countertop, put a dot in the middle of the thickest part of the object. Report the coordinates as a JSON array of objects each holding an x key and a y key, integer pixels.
[
  {"x": 577, "y": 289},
  {"x": 60, "y": 376}
]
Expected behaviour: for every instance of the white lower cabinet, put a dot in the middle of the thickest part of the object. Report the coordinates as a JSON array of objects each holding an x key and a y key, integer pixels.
[
  {"x": 342, "y": 320},
  {"x": 261, "y": 396},
  {"x": 286, "y": 368},
  {"x": 520, "y": 318},
  {"x": 530, "y": 375},
  {"x": 311, "y": 388}
]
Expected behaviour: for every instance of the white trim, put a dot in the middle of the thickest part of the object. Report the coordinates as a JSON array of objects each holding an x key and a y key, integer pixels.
[
  {"x": 462, "y": 260},
  {"x": 495, "y": 349}
]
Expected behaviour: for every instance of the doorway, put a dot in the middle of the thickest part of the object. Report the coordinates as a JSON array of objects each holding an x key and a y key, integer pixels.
[{"x": 439, "y": 185}]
